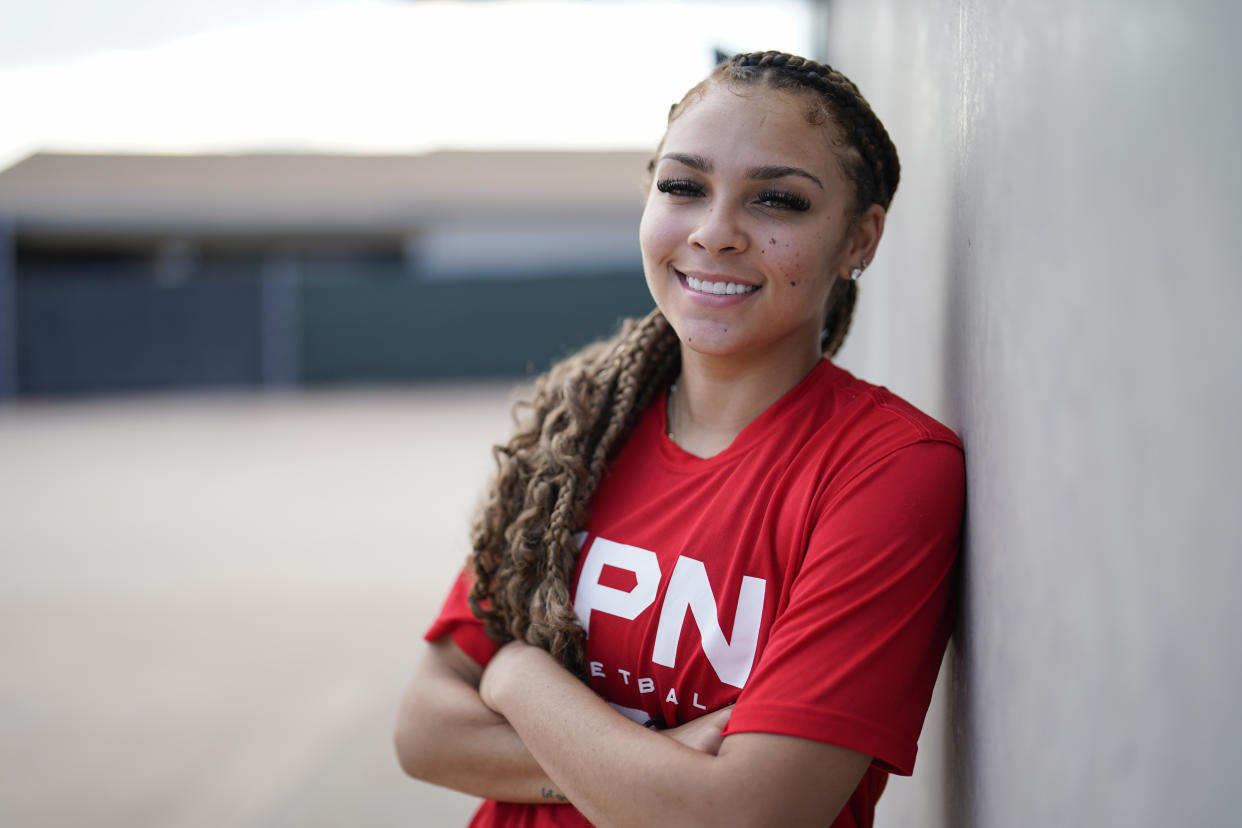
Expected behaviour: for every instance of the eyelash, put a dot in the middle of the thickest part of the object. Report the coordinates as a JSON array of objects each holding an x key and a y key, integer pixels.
[
  {"x": 679, "y": 187},
  {"x": 780, "y": 199},
  {"x": 785, "y": 199}
]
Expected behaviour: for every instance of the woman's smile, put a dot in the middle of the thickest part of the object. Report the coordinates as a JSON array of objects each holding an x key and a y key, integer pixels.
[{"x": 714, "y": 290}]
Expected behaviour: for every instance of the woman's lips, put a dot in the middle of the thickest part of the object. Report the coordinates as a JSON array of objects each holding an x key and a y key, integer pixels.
[{"x": 715, "y": 291}]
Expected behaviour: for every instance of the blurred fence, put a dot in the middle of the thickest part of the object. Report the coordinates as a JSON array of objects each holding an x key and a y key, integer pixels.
[{"x": 100, "y": 325}]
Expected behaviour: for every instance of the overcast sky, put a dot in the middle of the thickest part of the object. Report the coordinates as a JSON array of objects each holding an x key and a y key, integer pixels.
[{"x": 361, "y": 75}]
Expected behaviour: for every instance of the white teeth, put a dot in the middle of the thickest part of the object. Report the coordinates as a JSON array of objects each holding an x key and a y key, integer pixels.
[{"x": 718, "y": 287}]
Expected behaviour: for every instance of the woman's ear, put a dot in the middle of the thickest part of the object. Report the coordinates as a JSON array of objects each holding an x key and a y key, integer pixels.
[{"x": 864, "y": 239}]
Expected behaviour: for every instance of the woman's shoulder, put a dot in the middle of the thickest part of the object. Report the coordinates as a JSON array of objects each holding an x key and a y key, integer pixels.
[
  {"x": 848, "y": 404},
  {"x": 885, "y": 469},
  {"x": 845, "y": 425}
]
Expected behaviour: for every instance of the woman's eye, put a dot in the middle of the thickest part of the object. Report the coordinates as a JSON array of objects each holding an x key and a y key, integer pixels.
[
  {"x": 679, "y": 187},
  {"x": 783, "y": 200}
]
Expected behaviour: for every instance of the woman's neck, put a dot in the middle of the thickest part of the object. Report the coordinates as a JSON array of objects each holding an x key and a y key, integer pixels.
[{"x": 714, "y": 399}]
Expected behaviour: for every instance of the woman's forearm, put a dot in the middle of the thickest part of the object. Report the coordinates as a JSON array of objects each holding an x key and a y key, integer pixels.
[
  {"x": 620, "y": 774},
  {"x": 445, "y": 735},
  {"x": 614, "y": 771}
]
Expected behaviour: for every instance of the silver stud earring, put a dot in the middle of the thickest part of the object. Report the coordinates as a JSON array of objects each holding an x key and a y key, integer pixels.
[{"x": 857, "y": 272}]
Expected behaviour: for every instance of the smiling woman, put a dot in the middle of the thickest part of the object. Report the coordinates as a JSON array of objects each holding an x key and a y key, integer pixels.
[{"x": 709, "y": 461}]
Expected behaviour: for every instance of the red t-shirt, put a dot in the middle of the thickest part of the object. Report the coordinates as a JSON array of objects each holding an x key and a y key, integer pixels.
[{"x": 804, "y": 573}]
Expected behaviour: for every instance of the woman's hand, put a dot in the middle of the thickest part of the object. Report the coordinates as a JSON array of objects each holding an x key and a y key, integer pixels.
[{"x": 703, "y": 734}]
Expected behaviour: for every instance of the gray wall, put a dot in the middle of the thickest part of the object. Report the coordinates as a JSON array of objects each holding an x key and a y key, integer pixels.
[{"x": 1058, "y": 282}]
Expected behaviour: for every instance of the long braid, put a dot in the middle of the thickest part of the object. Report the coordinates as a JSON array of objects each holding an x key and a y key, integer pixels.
[
  {"x": 841, "y": 300},
  {"x": 524, "y": 547}
]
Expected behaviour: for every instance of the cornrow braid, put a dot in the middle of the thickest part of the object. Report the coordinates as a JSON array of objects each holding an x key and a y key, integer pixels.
[
  {"x": 523, "y": 538},
  {"x": 877, "y": 175}
]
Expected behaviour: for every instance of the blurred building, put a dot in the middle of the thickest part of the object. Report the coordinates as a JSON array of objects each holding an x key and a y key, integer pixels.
[{"x": 126, "y": 272}]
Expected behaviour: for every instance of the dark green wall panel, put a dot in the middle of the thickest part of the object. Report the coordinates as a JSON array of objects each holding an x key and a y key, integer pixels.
[
  {"x": 396, "y": 328},
  {"x": 84, "y": 333}
]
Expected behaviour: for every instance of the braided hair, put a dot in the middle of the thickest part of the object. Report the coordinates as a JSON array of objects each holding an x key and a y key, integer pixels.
[
  {"x": 524, "y": 547},
  {"x": 583, "y": 409}
]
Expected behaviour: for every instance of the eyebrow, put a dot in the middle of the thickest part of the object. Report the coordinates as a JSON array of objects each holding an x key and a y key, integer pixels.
[{"x": 764, "y": 173}]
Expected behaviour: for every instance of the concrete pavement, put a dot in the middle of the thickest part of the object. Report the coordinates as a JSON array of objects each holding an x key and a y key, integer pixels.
[{"x": 210, "y": 603}]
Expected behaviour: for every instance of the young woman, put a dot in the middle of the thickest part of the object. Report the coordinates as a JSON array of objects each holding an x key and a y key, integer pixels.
[{"x": 704, "y": 526}]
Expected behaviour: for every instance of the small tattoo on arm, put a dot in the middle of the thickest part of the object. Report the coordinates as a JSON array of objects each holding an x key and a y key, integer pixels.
[{"x": 549, "y": 793}]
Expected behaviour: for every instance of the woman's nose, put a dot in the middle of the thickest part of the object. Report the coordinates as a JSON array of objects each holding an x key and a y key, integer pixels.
[{"x": 719, "y": 232}]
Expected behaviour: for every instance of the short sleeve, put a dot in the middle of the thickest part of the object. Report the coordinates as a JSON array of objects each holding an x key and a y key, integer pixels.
[
  {"x": 457, "y": 621},
  {"x": 853, "y": 655}
]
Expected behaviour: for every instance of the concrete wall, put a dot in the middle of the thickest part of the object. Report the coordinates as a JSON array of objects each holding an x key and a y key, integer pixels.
[{"x": 1059, "y": 283}]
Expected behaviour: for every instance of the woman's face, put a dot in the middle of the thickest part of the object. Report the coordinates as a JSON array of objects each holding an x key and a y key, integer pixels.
[{"x": 747, "y": 198}]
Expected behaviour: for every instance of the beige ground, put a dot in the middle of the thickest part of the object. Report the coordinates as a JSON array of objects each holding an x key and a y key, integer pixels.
[{"x": 208, "y": 604}]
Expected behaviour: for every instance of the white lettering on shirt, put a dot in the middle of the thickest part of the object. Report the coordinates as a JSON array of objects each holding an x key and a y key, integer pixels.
[
  {"x": 689, "y": 589},
  {"x": 648, "y": 685},
  {"x": 592, "y": 595}
]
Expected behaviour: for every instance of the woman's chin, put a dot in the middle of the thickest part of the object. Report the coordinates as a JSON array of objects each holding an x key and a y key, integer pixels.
[{"x": 708, "y": 338}]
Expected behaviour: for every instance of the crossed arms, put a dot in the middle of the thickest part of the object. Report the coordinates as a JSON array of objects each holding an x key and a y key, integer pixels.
[{"x": 525, "y": 730}]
